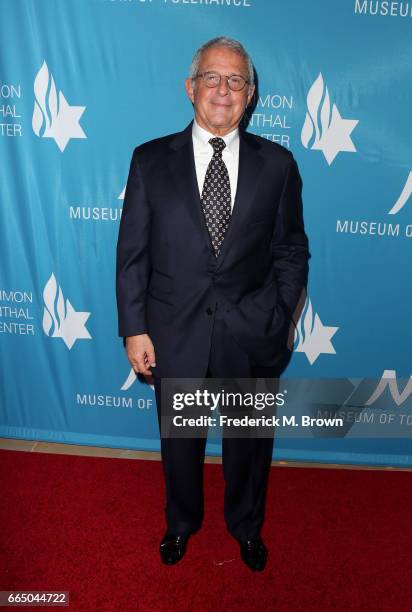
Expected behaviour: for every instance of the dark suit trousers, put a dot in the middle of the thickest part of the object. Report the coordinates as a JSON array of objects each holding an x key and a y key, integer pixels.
[{"x": 246, "y": 461}]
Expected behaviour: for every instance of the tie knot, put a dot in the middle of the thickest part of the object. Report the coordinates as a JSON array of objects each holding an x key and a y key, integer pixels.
[{"x": 218, "y": 144}]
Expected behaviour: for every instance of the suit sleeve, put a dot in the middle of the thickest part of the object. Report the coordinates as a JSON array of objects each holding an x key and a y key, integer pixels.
[
  {"x": 289, "y": 242},
  {"x": 133, "y": 254},
  {"x": 260, "y": 321},
  {"x": 288, "y": 272}
]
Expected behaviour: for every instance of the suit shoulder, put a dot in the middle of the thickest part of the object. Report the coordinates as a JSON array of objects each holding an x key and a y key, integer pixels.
[
  {"x": 271, "y": 149},
  {"x": 154, "y": 146}
]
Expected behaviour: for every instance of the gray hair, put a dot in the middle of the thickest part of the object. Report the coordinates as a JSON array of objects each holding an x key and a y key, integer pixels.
[{"x": 227, "y": 43}]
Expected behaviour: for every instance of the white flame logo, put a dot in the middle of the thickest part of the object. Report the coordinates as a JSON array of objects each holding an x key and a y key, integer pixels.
[
  {"x": 60, "y": 320},
  {"x": 324, "y": 129},
  {"x": 404, "y": 197},
  {"x": 53, "y": 117},
  {"x": 122, "y": 194},
  {"x": 311, "y": 336},
  {"x": 389, "y": 380},
  {"x": 131, "y": 379}
]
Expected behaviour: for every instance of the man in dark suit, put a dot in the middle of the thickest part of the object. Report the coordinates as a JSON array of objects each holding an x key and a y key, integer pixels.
[{"x": 212, "y": 258}]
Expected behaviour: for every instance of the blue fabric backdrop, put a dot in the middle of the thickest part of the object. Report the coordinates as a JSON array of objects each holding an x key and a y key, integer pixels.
[{"x": 82, "y": 82}]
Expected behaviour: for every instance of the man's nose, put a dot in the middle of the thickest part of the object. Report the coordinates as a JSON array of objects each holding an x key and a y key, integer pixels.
[{"x": 223, "y": 86}]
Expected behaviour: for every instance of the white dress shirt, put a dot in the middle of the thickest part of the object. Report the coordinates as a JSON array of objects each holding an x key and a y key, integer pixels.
[{"x": 203, "y": 152}]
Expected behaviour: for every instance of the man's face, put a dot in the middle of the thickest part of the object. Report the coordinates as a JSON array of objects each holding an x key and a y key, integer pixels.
[{"x": 219, "y": 109}]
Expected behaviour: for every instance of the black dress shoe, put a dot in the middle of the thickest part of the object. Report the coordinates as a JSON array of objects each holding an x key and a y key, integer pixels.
[
  {"x": 254, "y": 553},
  {"x": 173, "y": 548}
]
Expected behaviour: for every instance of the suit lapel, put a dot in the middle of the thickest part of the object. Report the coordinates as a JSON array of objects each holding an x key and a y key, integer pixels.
[
  {"x": 181, "y": 163},
  {"x": 251, "y": 163},
  {"x": 182, "y": 166}
]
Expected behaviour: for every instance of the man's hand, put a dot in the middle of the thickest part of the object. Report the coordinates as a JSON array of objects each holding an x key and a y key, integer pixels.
[{"x": 140, "y": 353}]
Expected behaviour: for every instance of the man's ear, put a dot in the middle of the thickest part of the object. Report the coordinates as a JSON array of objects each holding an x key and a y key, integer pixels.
[
  {"x": 250, "y": 94},
  {"x": 189, "y": 90}
]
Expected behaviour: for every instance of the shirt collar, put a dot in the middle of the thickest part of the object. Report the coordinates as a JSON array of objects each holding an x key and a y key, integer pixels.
[{"x": 202, "y": 137}]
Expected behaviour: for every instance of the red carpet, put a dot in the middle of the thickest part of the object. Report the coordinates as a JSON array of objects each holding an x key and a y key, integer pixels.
[{"x": 338, "y": 539}]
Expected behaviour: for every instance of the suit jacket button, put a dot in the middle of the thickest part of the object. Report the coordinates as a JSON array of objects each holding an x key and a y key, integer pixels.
[{"x": 209, "y": 311}]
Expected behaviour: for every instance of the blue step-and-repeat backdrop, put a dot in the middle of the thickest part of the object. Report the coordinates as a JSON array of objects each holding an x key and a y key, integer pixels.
[{"x": 82, "y": 82}]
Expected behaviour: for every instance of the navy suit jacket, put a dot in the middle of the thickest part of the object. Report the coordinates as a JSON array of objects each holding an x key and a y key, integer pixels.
[{"x": 168, "y": 278}]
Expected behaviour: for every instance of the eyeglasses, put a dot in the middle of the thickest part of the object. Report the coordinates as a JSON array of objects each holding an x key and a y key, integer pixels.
[{"x": 212, "y": 79}]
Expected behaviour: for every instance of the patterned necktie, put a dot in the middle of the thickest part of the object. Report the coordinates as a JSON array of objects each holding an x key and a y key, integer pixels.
[{"x": 216, "y": 196}]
